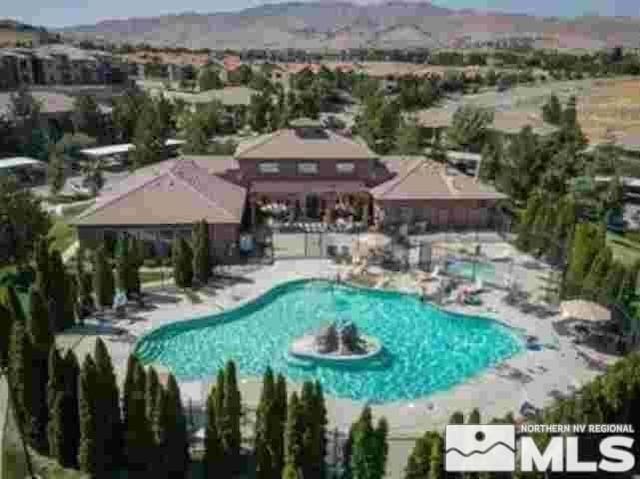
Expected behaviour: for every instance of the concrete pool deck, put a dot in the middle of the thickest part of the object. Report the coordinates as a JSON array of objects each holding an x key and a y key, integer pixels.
[{"x": 532, "y": 376}]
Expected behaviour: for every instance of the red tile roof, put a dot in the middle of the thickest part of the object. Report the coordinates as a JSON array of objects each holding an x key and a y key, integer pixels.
[{"x": 173, "y": 192}]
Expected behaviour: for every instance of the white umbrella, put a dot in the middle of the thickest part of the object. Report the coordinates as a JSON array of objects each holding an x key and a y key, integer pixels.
[{"x": 583, "y": 310}]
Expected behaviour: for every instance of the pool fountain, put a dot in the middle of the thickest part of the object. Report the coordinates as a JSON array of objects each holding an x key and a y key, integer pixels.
[{"x": 336, "y": 343}]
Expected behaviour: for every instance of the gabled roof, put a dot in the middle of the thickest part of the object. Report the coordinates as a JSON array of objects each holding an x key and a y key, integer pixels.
[
  {"x": 304, "y": 144},
  {"x": 172, "y": 192},
  {"x": 419, "y": 179}
]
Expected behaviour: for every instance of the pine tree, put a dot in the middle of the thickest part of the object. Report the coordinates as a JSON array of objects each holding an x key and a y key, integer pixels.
[
  {"x": 294, "y": 432},
  {"x": 202, "y": 264},
  {"x": 72, "y": 422},
  {"x": 89, "y": 454},
  {"x": 552, "y": 111},
  {"x": 214, "y": 461},
  {"x": 108, "y": 405},
  {"x": 599, "y": 270},
  {"x": 588, "y": 240},
  {"x": 527, "y": 221},
  {"x": 177, "y": 452},
  {"x": 232, "y": 410},
  {"x": 138, "y": 438},
  {"x": 103, "y": 281},
  {"x": 182, "y": 263}
]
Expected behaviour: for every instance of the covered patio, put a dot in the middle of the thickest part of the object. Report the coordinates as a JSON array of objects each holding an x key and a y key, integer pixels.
[{"x": 290, "y": 202}]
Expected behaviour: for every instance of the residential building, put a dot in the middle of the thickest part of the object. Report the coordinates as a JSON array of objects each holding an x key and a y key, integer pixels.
[{"x": 310, "y": 171}]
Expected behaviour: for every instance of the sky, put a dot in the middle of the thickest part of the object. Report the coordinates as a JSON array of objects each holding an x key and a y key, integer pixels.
[{"x": 58, "y": 13}]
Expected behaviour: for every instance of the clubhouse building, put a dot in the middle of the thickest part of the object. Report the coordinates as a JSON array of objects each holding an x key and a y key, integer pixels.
[{"x": 304, "y": 175}]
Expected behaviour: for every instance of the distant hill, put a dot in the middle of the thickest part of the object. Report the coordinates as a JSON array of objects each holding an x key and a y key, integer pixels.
[
  {"x": 15, "y": 33},
  {"x": 340, "y": 25}
]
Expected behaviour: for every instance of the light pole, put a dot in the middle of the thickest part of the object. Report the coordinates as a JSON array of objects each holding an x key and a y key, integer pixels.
[{"x": 11, "y": 404}]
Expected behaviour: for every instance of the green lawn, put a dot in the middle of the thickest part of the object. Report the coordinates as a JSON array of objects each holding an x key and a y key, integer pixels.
[{"x": 624, "y": 249}]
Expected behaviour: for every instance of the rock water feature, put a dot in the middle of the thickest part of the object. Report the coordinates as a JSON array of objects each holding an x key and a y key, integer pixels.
[{"x": 336, "y": 342}]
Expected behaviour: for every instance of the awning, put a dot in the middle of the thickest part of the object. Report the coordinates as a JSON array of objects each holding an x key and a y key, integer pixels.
[{"x": 317, "y": 187}]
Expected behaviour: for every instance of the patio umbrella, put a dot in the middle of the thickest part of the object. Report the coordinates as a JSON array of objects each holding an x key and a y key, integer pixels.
[{"x": 583, "y": 310}]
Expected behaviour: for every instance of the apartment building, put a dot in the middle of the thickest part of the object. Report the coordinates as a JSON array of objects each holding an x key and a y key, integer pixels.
[{"x": 57, "y": 64}]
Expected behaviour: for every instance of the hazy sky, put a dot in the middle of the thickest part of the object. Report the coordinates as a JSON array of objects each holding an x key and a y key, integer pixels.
[{"x": 57, "y": 13}]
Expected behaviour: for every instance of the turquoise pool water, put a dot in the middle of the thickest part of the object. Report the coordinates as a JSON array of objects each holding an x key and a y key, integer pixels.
[
  {"x": 426, "y": 349},
  {"x": 483, "y": 271}
]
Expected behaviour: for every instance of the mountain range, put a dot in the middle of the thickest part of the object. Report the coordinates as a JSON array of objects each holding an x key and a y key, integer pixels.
[{"x": 338, "y": 25}]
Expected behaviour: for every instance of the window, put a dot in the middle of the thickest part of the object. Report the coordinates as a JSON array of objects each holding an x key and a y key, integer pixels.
[
  {"x": 269, "y": 167},
  {"x": 345, "y": 167},
  {"x": 308, "y": 168}
]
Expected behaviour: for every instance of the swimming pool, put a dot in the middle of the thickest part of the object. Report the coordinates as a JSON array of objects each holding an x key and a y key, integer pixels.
[{"x": 426, "y": 349}]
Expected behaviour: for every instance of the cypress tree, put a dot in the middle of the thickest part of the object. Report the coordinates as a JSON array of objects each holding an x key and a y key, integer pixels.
[
  {"x": 122, "y": 266},
  {"x": 20, "y": 373},
  {"x": 103, "y": 282},
  {"x": 41, "y": 338},
  {"x": 138, "y": 437},
  {"x": 381, "y": 446},
  {"x": 219, "y": 399},
  {"x": 202, "y": 264},
  {"x": 612, "y": 283},
  {"x": 89, "y": 454},
  {"x": 214, "y": 462},
  {"x": 232, "y": 410},
  {"x": 56, "y": 383},
  {"x": 127, "y": 390},
  {"x": 152, "y": 388},
  {"x": 177, "y": 452},
  {"x": 264, "y": 429},
  {"x": 10, "y": 311},
  {"x": 72, "y": 421},
  {"x": 159, "y": 428},
  {"x": 182, "y": 263},
  {"x": 57, "y": 438},
  {"x": 57, "y": 298},
  {"x": 84, "y": 283},
  {"x": 436, "y": 469},
  {"x": 42, "y": 265},
  {"x": 136, "y": 259},
  {"x": 599, "y": 270},
  {"x": 294, "y": 432},
  {"x": 419, "y": 463},
  {"x": 363, "y": 461},
  {"x": 38, "y": 324},
  {"x": 474, "y": 417},
  {"x": 457, "y": 418},
  {"x": 108, "y": 406},
  {"x": 280, "y": 418}
]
